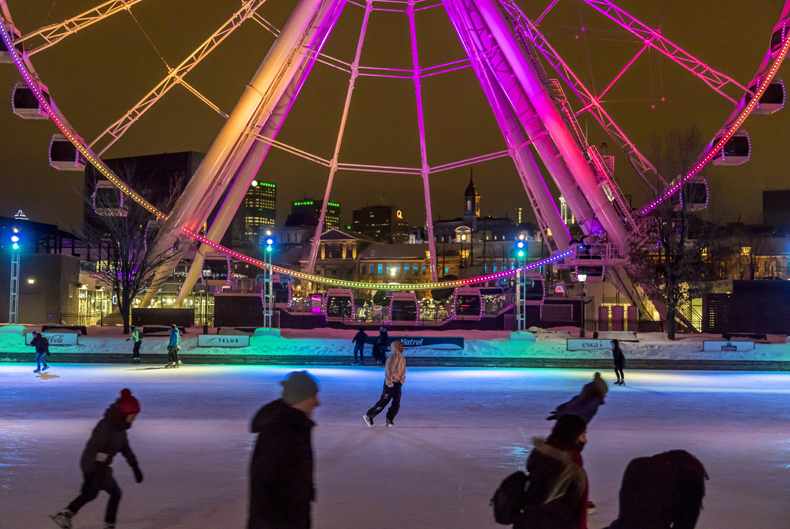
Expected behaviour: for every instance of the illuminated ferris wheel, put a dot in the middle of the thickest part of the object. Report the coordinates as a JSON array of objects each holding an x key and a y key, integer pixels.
[{"x": 535, "y": 96}]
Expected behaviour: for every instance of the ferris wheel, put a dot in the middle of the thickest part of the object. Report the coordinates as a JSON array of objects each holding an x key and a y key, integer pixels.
[{"x": 536, "y": 97}]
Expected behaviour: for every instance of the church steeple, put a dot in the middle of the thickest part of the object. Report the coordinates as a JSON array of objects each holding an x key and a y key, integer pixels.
[{"x": 471, "y": 203}]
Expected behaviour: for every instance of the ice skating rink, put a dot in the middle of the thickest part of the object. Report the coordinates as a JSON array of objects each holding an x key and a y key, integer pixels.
[{"x": 459, "y": 432}]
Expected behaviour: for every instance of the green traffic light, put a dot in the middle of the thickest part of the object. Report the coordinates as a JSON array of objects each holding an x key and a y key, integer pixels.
[
  {"x": 268, "y": 248},
  {"x": 520, "y": 253},
  {"x": 16, "y": 246}
]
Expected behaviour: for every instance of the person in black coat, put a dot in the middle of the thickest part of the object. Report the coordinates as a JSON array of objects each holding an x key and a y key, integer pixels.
[
  {"x": 108, "y": 438},
  {"x": 662, "y": 492},
  {"x": 619, "y": 362},
  {"x": 359, "y": 346},
  {"x": 41, "y": 344},
  {"x": 380, "y": 347},
  {"x": 281, "y": 472}
]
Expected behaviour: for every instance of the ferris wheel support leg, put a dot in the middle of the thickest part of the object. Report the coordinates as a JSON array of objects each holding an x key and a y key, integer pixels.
[
  {"x": 301, "y": 32},
  {"x": 541, "y": 100},
  {"x": 543, "y": 204},
  {"x": 252, "y": 164}
]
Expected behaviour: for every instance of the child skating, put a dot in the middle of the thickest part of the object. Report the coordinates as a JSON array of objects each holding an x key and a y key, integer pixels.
[
  {"x": 108, "y": 438},
  {"x": 394, "y": 377},
  {"x": 173, "y": 346},
  {"x": 137, "y": 338}
]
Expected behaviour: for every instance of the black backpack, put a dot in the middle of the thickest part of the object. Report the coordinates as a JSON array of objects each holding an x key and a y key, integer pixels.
[{"x": 510, "y": 499}]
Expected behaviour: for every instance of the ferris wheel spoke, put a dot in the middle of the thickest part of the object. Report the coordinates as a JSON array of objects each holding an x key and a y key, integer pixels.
[
  {"x": 642, "y": 165},
  {"x": 651, "y": 37},
  {"x": 625, "y": 69},
  {"x": 203, "y": 98},
  {"x": 546, "y": 11},
  {"x": 119, "y": 128},
  {"x": 268, "y": 26},
  {"x": 54, "y": 33}
]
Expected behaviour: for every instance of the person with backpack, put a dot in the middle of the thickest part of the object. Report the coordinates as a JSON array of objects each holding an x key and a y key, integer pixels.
[
  {"x": 394, "y": 377},
  {"x": 137, "y": 338},
  {"x": 41, "y": 344},
  {"x": 661, "y": 492},
  {"x": 359, "y": 346},
  {"x": 619, "y": 362},
  {"x": 108, "y": 438},
  {"x": 173, "y": 346},
  {"x": 556, "y": 496}
]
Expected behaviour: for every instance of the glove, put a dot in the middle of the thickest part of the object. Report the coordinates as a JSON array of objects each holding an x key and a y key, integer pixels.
[
  {"x": 127, "y": 339},
  {"x": 138, "y": 474}
]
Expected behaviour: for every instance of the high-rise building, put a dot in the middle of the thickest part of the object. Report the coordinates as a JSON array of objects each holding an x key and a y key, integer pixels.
[
  {"x": 310, "y": 211},
  {"x": 382, "y": 223},
  {"x": 258, "y": 210}
]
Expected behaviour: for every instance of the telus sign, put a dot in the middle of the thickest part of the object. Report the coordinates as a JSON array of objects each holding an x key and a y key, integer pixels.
[{"x": 208, "y": 340}]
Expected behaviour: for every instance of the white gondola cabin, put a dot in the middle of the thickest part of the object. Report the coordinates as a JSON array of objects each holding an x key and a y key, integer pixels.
[
  {"x": 64, "y": 156},
  {"x": 773, "y": 99},
  {"x": 5, "y": 56},
  {"x": 736, "y": 151},
  {"x": 26, "y": 105},
  {"x": 403, "y": 307},
  {"x": 339, "y": 304}
]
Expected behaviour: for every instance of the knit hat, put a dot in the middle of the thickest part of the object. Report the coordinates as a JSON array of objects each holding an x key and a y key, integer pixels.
[
  {"x": 299, "y": 386},
  {"x": 128, "y": 404},
  {"x": 397, "y": 347},
  {"x": 566, "y": 432},
  {"x": 600, "y": 383}
]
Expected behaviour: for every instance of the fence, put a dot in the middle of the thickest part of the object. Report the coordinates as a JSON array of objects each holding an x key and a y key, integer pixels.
[{"x": 92, "y": 320}]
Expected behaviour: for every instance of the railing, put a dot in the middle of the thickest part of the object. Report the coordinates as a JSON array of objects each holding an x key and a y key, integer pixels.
[
  {"x": 96, "y": 319},
  {"x": 603, "y": 253},
  {"x": 605, "y": 177}
]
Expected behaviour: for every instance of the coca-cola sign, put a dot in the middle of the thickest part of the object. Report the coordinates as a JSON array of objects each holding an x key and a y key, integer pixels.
[{"x": 55, "y": 338}]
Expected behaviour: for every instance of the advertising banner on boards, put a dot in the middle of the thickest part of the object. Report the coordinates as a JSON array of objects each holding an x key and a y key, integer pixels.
[
  {"x": 721, "y": 345},
  {"x": 56, "y": 338},
  {"x": 214, "y": 340},
  {"x": 583, "y": 344}
]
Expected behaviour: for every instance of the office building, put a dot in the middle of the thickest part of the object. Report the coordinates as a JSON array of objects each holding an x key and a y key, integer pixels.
[
  {"x": 382, "y": 223},
  {"x": 310, "y": 211}
]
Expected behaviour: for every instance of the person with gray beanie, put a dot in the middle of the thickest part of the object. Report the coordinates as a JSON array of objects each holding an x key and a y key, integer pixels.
[{"x": 281, "y": 472}]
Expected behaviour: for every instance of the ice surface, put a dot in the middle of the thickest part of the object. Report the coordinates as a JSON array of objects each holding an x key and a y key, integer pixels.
[{"x": 459, "y": 432}]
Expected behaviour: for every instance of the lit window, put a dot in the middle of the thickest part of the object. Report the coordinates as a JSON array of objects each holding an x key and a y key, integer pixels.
[
  {"x": 381, "y": 269},
  {"x": 746, "y": 250},
  {"x": 406, "y": 268},
  {"x": 446, "y": 270}
]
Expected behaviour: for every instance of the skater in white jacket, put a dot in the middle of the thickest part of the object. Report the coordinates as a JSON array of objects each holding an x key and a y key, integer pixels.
[{"x": 395, "y": 376}]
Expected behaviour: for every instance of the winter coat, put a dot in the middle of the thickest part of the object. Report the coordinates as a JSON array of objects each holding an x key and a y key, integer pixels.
[
  {"x": 661, "y": 491},
  {"x": 557, "y": 491},
  {"x": 582, "y": 405},
  {"x": 360, "y": 338},
  {"x": 108, "y": 438},
  {"x": 281, "y": 473},
  {"x": 174, "y": 338},
  {"x": 619, "y": 357},
  {"x": 41, "y": 344},
  {"x": 396, "y": 369},
  {"x": 137, "y": 335}
]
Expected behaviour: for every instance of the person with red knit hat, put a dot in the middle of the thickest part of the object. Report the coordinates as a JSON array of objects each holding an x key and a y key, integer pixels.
[{"x": 108, "y": 438}]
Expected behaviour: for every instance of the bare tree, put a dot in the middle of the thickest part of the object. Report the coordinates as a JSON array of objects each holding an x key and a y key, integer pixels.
[
  {"x": 128, "y": 233},
  {"x": 672, "y": 266},
  {"x": 754, "y": 246}
]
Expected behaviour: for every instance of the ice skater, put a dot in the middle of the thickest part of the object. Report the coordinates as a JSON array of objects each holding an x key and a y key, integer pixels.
[
  {"x": 619, "y": 362},
  {"x": 359, "y": 346},
  {"x": 380, "y": 347},
  {"x": 662, "y": 491},
  {"x": 394, "y": 377},
  {"x": 108, "y": 438},
  {"x": 173, "y": 346},
  {"x": 281, "y": 472},
  {"x": 137, "y": 338},
  {"x": 557, "y": 493},
  {"x": 41, "y": 344}
]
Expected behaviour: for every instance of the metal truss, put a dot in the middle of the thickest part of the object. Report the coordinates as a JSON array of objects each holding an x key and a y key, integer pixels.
[
  {"x": 54, "y": 33},
  {"x": 651, "y": 37},
  {"x": 175, "y": 76}
]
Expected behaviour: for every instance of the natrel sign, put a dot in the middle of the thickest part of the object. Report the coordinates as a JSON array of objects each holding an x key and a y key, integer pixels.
[
  {"x": 56, "y": 338},
  {"x": 214, "y": 340},
  {"x": 582, "y": 344},
  {"x": 727, "y": 346},
  {"x": 417, "y": 341}
]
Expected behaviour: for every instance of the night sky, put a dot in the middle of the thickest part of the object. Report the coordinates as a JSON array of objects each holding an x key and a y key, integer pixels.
[{"x": 98, "y": 74}]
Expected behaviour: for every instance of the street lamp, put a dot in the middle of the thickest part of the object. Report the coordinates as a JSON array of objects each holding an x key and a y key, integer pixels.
[
  {"x": 582, "y": 279},
  {"x": 13, "y": 307},
  {"x": 463, "y": 239},
  {"x": 206, "y": 274}
]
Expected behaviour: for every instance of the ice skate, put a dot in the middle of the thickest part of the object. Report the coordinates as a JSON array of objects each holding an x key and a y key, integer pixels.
[
  {"x": 169, "y": 364},
  {"x": 36, "y": 371},
  {"x": 368, "y": 420},
  {"x": 389, "y": 424},
  {"x": 590, "y": 507},
  {"x": 62, "y": 518},
  {"x": 44, "y": 368},
  {"x": 180, "y": 363},
  {"x": 108, "y": 525}
]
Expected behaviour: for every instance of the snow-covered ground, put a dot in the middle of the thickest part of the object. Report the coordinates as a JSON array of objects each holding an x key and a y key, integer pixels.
[
  {"x": 460, "y": 431},
  {"x": 477, "y": 344}
]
